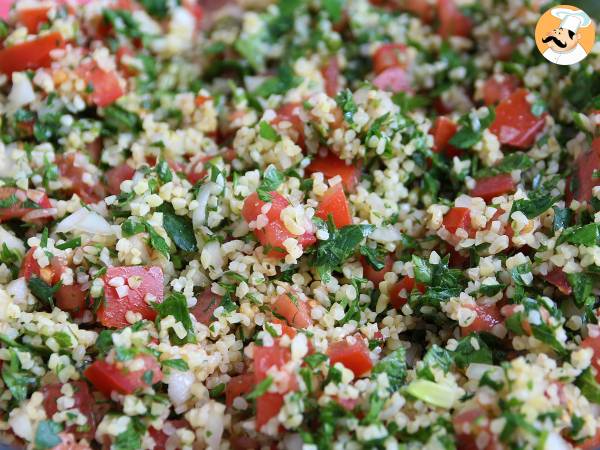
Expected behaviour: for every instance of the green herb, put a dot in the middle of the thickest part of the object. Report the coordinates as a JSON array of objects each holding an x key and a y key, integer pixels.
[
  {"x": 589, "y": 386},
  {"x": 422, "y": 270},
  {"x": 180, "y": 229},
  {"x": 250, "y": 48},
  {"x": 334, "y": 8},
  {"x": 118, "y": 119},
  {"x": 272, "y": 179},
  {"x": 512, "y": 161},
  {"x": 178, "y": 364},
  {"x": 131, "y": 227},
  {"x": 280, "y": 84},
  {"x": 260, "y": 389},
  {"x": 436, "y": 356},
  {"x": 156, "y": 8},
  {"x": 46, "y": 434},
  {"x": 104, "y": 342},
  {"x": 584, "y": 87},
  {"x": 465, "y": 353},
  {"x": 156, "y": 240},
  {"x": 163, "y": 171},
  {"x": 562, "y": 218},
  {"x": 587, "y": 235},
  {"x": 538, "y": 107},
  {"x": 345, "y": 101},
  {"x": 408, "y": 102},
  {"x": 373, "y": 257},
  {"x": 394, "y": 365},
  {"x": 340, "y": 246},
  {"x": 148, "y": 377},
  {"x": 131, "y": 438},
  {"x": 582, "y": 285},
  {"x": 539, "y": 201},
  {"x": 176, "y": 305},
  {"x": 315, "y": 359},
  {"x": 3, "y": 29},
  {"x": 71, "y": 243},
  {"x": 123, "y": 22},
  {"x": 42, "y": 290},
  {"x": 63, "y": 339},
  {"x": 18, "y": 382},
  {"x": 266, "y": 131},
  {"x": 472, "y": 129},
  {"x": 9, "y": 201},
  {"x": 489, "y": 290}
]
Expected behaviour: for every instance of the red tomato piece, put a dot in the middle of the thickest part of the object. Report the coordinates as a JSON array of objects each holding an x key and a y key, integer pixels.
[
  {"x": 456, "y": 218},
  {"x": 114, "y": 377},
  {"x": 30, "y": 55},
  {"x": 32, "y": 18},
  {"x": 353, "y": 355},
  {"x": 160, "y": 436},
  {"x": 105, "y": 85},
  {"x": 393, "y": 79},
  {"x": 376, "y": 276},
  {"x": 205, "y": 307},
  {"x": 295, "y": 312},
  {"x": 469, "y": 425},
  {"x": 116, "y": 175},
  {"x": 112, "y": 311},
  {"x": 238, "y": 386},
  {"x": 330, "y": 165},
  {"x": 488, "y": 316},
  {"x": 581, "y": 183},
  {"x": 83, "y": 402},
  {"x": 267, "y": 357},
  {"x": 502, "y": 46},
  {"x": 388, "y": 55},
  {"x": 419, "y": 8},
  {"x": 558, "y": 278},
  {"x": 593, "y": 342},
  {"x": 490, "y": 187},
  {"x": 73, "y": 175},
  {"x": 515, "y": 124},
  {"x": 591, "y": 443},
  {"x": 331, "y": 76},
  {"x": 334, "y": 202},
  {"x": 397, "y": 298},
  {"x": 443, "y": 130},
  {"x": 290, "y": 112},
  {"x": 24, "y": 204},
  {"x": 452, "y": 21},
  {"x": 498, "y": 88},
  {"x": 267, "y": 407}
]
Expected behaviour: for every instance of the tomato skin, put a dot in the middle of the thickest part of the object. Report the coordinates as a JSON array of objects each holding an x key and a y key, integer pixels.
[
  {"x": 393, "y": 79},
  {"x": 498, "y": 88},
  {"x": 330, "y": 165},
  {"x": 488, "y": 316},
  {"x": 18, "y": 210},
  {"x": 238, "y": 386},
  {"x": 296, "y": 313},
  {"x": 376, "y": 276},
  {"x": 30, "y": 55},
  {"x": 331, "y": 76},
  {"x": 558, "y": 278},
  {"x": 580, "y": 187},
  {"x": 334, "y": 202},
  {"x": 205, "y": 307},
  {"x": 354, "y": 356},
  {"x": 105, "y": 85},
  {"x": 110, "y": 377},
  {"x": 452, "y": 21},
  {"x": 407, "y": 283},
  {"x": 386, "y": 56},
  {"x": 32, "y": 18},
  {"x": 268, "y": 406},
  {"x": 490, "y": 187},
  {"x": 83, "y": 402},
  {"x": 116, "y": 175},
  {"x": 112, "y": 312},
  {"x": 457, "y": 217},
  {"x": 73, "y": 175},
  {"x": 443, "y": 130},
  {"x": 593, "y": 342},
  {"x": 515, "y": 125}
]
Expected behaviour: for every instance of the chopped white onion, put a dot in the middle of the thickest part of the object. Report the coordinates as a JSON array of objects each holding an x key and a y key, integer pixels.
[
  {"x": 211, "y": 257},
  {"x": 386, "y": 234},
  {"x": 180, "y": 384},
  {"x": 17, "y": 289},
  {"x": 11, "y": 241},
  {"x": 199, "y": 215},
  {"x": 22, "y": 91},
  {"x": 85, "y": 221}
]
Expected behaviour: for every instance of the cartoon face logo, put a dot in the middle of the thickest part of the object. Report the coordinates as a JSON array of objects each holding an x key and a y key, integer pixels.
[{"x": 565, "y": 35}]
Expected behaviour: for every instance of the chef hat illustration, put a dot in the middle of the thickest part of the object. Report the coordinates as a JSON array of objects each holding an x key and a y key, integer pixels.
[{"x": 571, "y": 20}]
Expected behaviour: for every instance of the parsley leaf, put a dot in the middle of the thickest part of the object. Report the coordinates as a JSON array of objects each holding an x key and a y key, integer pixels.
[
  {"x": 156, "y": 8},
  {"x": 118, "y": 119},
  {"x": 345, "y": 100},
  {"x": 179, "y": 228},
  {"x": 472, "y": 129},
  {"x": 272, "y": 179},
  {"x": 587, "y": 235},
  {"x": 178, "y": 364},
  {"x": 164, "y": 171},
  {"x": 131, "y": 438},
  {"x": 266, "y": 131},
  {"x": 280, "y": 84},
  {"x": 176, "y": 305},
  {"x": 394, "y": 365},
  {"x": 334, "y": 9},
  {"x": 156, "y": 240},
  {"x": 539, "y": 201},
  {"x": 260, "y": 389},
  {"x": 9, "y": 201},
  {"x": 42, "y": 290},
  {"x": 589, "y": 386}
]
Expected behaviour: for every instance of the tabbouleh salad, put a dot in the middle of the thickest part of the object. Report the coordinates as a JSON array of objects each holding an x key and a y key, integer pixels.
[{"x": 304, "y": 224}]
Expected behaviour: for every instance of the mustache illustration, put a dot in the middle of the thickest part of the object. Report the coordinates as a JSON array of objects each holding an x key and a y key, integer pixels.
[{"x": 556, "y": 41}]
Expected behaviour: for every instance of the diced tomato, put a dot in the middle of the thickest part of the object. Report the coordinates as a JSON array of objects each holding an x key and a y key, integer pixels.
[
  {"x": 501, "y": 45},
  {"x": 388, "y": 55},
  {"x": 457, "y": 217},
  {"x": 198, "y": 169},
  {"x": 105, "y": 85},
  {"x": 498, "y": 88},
  {"x": 330, "y": 165},
  {"x": 114, "y": 377},
  {"x": 443, "y": 130},
  {"x": 160, "y": 437},
  {"x": 274, "y": 233},
  {"x": 331, "y": 76},
  {"x": 73, "y": 176},
  {"x": 120, "y": 55},
  {"x": 593, "y": 342},
  {"x": 452, "y": 21},
  {"x": 32, "y": 18},
  {"x": 393, "y": 79},
  {"x": 581, "y": 183},
  {"x": 490, "y": 187},
  {"x": 71, "y": 297},
  {"x": 469, "y": 425},
  {"x": 205, "y": 307},
  {"x": 354, "y": 356},
  {"x": 558, "y": 278},
  {"x": 30, "y": 55},
  {"x": 487, "y": 317},
  {"x": 116, "y": 175},
  {"x": 295, "y": 312},
  {"x": 238, "y": 386},
  {"x": 83, "y": 402},
  {"x": 334, "y": 202},
  {"x": 268, "y": 406},
  {"x": 591, "y": 443},
  {"x": 94, "y": 150},
  {"x": 146, "y": 281},
  {"x": 243, "y": 442},
  {"x": 376, "y": 276},
  {"x": 515, "y": 124},
  {"x": 27, "y": 205},
  {"x": 458, "y": 260},
  {"x": 400, "y": 291},
  {"x": 290, "y": 112},
  {"x": 419, "y": 8}
]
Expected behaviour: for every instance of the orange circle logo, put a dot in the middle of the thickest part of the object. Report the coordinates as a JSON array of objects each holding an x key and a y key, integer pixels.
[{"x": 565, "y": 35}]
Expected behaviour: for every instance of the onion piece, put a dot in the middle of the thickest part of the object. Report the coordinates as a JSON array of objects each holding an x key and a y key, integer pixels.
[
  {"x": 386, "y": 234},
  {"x": 85, "y": 221},
  {"x": 180, "y": 384}
]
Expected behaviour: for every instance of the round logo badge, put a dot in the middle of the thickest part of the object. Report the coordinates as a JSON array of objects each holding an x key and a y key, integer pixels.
[{"x": 565, "y": 35}]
